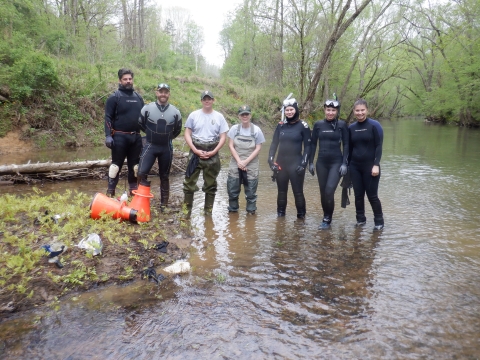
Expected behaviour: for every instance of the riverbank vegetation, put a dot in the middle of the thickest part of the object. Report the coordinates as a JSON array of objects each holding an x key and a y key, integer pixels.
[
  {"x": 407, "y": 58},
  {"x": 31, "y": 222}
]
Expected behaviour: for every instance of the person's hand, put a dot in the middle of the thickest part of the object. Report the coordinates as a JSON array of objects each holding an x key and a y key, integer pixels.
[
  {"x": 375, "y": 170},
  {"x": 109, "y": 142},
  {"x": 274, "y": 167},
  {"x": 343, "y": 170},
  {"x": 300, "y": 169},
  {"x": 204, "y": 155},
  {"x": 241, "y": 165},
  {"x": 311, "y": 169}
]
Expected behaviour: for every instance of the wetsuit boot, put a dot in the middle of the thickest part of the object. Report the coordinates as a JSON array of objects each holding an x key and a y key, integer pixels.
[
  {"x": 325, "y": 225},
  {"x": 209, "y": 200},
  {"x": 112, "y": 184},
  {"x": 379, "y": 223},
  {"x": 300, "y": 205},
  {"x": 164, "y": 194},
  {"x": 187, "y": 205},
  {"x": 281, "y": 203}
]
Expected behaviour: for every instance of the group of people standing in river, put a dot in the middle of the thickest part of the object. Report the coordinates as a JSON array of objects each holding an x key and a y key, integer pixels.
[{"x": 354, "y": 150}]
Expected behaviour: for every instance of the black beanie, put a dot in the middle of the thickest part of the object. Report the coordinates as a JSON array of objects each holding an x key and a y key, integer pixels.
[{"x": 297, "y": 113}]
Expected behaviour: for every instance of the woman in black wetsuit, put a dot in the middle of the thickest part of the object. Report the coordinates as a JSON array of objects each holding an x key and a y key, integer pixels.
[
  {"x": 330, "y": 133},
  {"x": 290, "y": 137},
  {"x": 366, "y": 138}
]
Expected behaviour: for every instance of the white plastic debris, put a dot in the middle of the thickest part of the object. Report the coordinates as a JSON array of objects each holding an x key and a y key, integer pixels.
[
  {"x": 92, "y": 243},
  {"x": 178, "y": 267},
  {"x": 124, "y": 197}
]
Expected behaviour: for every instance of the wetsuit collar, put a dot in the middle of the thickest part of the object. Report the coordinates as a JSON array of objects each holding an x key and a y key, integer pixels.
[
  {"x": 122, "y": 88},
  {"x": 162, "y": 108}
]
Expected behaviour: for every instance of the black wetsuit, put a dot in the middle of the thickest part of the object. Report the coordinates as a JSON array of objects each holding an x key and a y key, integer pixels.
[
  {"x": 290, "y": 139},
  {"x": 366, "y": 140},
  {"x": 330, "y": 135},
  {"x": 122, "y": 110},
  {"x": 161, "y": 124}
]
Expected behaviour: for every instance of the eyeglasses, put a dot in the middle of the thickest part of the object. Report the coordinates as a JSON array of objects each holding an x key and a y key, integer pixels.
[
  {"x": 333, "y": 103},
  {"x": 289, "y": 102},
  {"x": 163, "y": 86}
]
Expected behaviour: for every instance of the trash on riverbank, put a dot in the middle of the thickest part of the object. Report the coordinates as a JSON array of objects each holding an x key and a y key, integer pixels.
[
  {"x": 92, "y": 243},
  {"x": 178, "y": 267}
]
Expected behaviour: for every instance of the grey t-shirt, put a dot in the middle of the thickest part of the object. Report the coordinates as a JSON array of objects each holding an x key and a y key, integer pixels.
[
  {"x": 257, "y": 132},
  {"x": 206, "y": 127}
]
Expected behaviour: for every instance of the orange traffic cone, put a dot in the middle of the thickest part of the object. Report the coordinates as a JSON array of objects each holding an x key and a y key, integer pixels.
[
  {"x": 102, "y": 204},
  {"x": 141, "y": 201}
]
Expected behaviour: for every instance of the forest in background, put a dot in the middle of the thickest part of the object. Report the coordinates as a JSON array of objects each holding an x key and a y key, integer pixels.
[{"x": 59, "y": 59}]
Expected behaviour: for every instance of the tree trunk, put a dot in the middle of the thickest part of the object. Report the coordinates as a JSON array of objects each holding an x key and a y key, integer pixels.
[
  {"x": 51, "y": 166},
  {"x": 336, "y": 34}
]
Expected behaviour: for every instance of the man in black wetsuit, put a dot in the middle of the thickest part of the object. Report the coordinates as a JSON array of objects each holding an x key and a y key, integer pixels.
[
  {"x": 162, "y": 122},
  {"x": 330, "y": 134},
  {"x": 290, "y": 137},
  {"x": 366, "y": 140},
  {"x": 122, "y": 132}
]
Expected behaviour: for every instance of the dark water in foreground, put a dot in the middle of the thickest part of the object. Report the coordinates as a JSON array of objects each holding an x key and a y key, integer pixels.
[{"x": 263, "y": 287}]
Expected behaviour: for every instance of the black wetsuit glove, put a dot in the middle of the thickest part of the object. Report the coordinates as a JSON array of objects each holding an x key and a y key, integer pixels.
[
  {"x": 311, "y": 169},
  {"x": 301, "y": 168},
  {"x": 272, "y": 165},
  {"x": 343, "y": 170},
  {"x": 109, "y": 142}
]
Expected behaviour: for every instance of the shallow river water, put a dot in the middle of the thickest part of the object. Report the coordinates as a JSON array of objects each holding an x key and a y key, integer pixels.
[{"x": 263, "y": 287}]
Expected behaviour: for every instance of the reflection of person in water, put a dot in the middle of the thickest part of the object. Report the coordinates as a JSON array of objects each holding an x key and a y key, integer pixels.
[{"x": 332, "y": 281}]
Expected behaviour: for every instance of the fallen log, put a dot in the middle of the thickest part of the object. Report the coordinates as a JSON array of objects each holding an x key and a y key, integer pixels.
[
  {"x": 52, "y": 166},
  {"x": 96, "y": 169}
]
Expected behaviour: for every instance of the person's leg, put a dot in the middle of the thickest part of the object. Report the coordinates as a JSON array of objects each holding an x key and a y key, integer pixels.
[
  {"x": 333, "y": 178},
  {"x": 356, "y": 175},
  {"x": 251, "y": 195},
  {"x": 211, "y": 169},
  {"x": 147, "y": 159},
  {"x": 322, "y": 177},
  {"x": 372, "y": 195},
  {"x": 189, "y": 188},
  {"x": 282, "y": 187},
  {"x": 233, "y": 189},
  {"x": 165, "y": 157},
  {"x": 133, "y": 157},
  {"x": 119, "y": 152},
  {"x": 297, "y": 187}
]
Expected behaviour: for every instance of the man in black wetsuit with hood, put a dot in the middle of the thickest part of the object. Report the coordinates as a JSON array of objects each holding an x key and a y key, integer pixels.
[{"x": 122, "y": 131}]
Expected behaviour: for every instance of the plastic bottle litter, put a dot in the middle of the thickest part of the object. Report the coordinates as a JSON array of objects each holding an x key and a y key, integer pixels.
[
  {"x": 178, "y": 267},
  {"x": 92, "y": 243},
  {"x": 124, "y": 197}
]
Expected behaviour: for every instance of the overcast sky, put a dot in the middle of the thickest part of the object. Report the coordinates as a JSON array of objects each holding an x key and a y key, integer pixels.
[{"x": 210, "y": 15}]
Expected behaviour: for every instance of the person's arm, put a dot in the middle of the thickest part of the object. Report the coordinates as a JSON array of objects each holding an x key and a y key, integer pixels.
[
  {"x": 231, "y": 146},
  {"x": 313, "y": 143},
  {"x": 143, "y": 118},
  {"x": 307, "y": 140},
  {"x": 189, "y": 141},
  {"x": 273, "y": 147},
  {"x": 110, "y": 107},
  {"x": 378, "y": 142},
  {"x": 177, "y": 127},
  {"x": 252, "y": 156}
]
